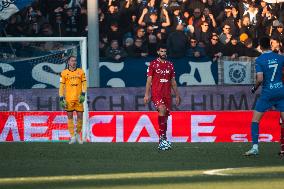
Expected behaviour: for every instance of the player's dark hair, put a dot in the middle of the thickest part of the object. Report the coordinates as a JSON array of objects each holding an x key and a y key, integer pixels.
[
  {"x": 162, "y": 46},
  {"x": 264, "y": 43},
  {"x": 275, "y": 38}
]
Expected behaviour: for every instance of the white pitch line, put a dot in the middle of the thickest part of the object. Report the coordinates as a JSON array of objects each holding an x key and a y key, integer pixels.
[
  {"x": 116, "y": 176},
  {"x": 218, "y": 172}
]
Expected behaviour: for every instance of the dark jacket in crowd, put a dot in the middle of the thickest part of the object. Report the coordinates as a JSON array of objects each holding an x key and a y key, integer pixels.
[
  {"x": 230, "y": 49},
  {"x": 203, "y": 36},
  {"x": 192, "y": 50},
  {"x": 250, "y": 52},
  {"x": 177, "y": 44},
  {"x": 111, "y": 53},
  {"x": 211, "y": 49}
]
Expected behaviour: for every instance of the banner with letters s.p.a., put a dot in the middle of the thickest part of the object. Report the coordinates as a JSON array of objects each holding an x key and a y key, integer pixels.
[{"x": 139, "y": 126}]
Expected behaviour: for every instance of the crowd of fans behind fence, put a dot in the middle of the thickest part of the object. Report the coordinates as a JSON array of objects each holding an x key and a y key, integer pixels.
[{"x": 134, "y": 28}]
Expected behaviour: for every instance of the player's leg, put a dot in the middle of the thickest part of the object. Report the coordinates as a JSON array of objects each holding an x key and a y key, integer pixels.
[
  {"x": 70, "y": 125},
  {"x": 255, "y": 126},
  {"x": 281, "y": 153},
  {"x": 161, "y": 108},
  {"x": 280, "y": 107},
  {"x": 168, "y": 104},
  {"x": 254, "y": 133},
  {"x": 79, "y": 110},
  {"x": 262, "y": 105},
  {"x": 162, "y": 121},
  {"x": 79, "y": 127}
]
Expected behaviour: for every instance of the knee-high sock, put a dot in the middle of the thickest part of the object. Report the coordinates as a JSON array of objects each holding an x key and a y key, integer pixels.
[
  {"x": 282, "y": 138},
  {"x": 162, "y": 120},
  {"x": 79, "y": 125},
  {"x": 166, "y": 123},
  {"x": 254, "y": 132},
  {"x": 71, "y": 127}
]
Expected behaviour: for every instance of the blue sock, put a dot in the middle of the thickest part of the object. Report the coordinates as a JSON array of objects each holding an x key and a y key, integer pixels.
[{"x": 254, "y": 132}]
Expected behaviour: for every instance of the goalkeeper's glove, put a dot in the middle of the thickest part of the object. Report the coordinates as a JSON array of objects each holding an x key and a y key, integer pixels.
[
  {"x": 62, "y": 102},
  {"x": 253, "y": 89},
  {"x": 82, "y": 98}
]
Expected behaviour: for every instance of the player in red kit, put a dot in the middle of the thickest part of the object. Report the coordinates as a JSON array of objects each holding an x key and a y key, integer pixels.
[{"x": 160, "y": 80}]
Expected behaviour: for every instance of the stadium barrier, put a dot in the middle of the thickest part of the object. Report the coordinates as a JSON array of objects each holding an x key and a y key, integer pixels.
[
  {"x": 189, "y": 71},
  {"x": 202, "y": 98},
  {"x": 200, "y": 126},
  {"x": 42, "y": 70}
]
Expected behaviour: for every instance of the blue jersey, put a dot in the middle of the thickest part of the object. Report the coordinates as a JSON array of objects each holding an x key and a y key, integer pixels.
[{"x": 270, "y": 64}]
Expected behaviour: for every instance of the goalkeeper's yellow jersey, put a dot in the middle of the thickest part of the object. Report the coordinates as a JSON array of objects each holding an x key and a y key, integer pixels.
[{"x": 72, "y": 84}]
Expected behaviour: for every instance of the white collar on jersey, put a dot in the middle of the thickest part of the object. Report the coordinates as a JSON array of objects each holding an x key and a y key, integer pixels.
[{"x": 159, "y": 60}]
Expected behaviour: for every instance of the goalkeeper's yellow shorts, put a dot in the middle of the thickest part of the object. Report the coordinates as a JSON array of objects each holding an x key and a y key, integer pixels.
[{"x": 74, "y": 106}]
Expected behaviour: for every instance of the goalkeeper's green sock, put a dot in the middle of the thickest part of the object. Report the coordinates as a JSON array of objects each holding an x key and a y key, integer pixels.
[{"x": 71, "y": 127}]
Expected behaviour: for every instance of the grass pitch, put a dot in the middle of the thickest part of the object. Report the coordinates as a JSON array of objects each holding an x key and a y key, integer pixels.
[{"x": 139, "y": 165}]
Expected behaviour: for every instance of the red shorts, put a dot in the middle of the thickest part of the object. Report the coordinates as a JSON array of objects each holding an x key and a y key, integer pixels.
[{"x": 158, "y": 101}]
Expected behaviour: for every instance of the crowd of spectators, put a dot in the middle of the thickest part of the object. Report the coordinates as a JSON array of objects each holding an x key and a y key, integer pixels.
[
  {"x": 134, "y": 28},
  {"x": 48, "y": 18},
  {"x": 190, "y": 28}
]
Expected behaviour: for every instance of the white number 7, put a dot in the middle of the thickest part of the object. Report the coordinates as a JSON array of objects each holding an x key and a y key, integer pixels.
[{"x": 274, "y": 71}]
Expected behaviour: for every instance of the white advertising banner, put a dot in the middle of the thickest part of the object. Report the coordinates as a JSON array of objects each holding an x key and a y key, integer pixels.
[{"x": 237, "y": 72}]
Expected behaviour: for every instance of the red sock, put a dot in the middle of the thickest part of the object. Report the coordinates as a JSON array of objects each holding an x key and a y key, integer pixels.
[
  {"x": 162, "y": 120},
  {"x": 166, "y": 120},
  {"x": 282, "y": 139}
]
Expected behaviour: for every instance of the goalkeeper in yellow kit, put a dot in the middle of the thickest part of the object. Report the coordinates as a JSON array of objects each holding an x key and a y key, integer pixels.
[{"x": 72, "y": 90}]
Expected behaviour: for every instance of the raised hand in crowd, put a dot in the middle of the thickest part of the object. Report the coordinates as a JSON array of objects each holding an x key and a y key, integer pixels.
[
  {"x": 142, "y": 17},
  {"x": 167, "y": 17}
]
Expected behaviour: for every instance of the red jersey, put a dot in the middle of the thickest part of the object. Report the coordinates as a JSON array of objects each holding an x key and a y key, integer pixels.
[{"x": 162, "y": 74}]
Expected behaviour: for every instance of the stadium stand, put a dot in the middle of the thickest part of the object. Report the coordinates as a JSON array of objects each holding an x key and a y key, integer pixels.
[{"x": 139, "y": 25}]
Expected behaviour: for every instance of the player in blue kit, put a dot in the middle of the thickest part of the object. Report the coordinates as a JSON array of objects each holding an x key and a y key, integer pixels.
[{"x": 268, "y": 73}]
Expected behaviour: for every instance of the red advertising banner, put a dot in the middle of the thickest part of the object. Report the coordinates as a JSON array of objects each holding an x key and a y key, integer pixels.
[{"x": 219, "y": 126}]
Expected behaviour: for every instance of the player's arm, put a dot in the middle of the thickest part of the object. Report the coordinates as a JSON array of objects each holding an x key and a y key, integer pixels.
[
  {"x": 62, "y": 85},
  {"x": 175, "y": 89},
  {"x": 61, "y": 89},
  {"x": 84, "y": 88},
  {"x": 84, "y": 83},
  {"x": 259, "y": 75},
  {"x": 259, "y": 80},
  {"x": 147, "y": 91},
  {"x": 61, "y": 92}
]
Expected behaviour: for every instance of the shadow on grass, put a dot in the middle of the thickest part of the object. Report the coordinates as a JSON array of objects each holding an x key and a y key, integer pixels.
[
  {"x": 201, "y": 179},
  {"x": 55, "y": 159}
]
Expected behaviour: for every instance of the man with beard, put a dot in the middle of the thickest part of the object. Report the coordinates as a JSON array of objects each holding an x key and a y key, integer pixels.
[{"x": 160, "y": 79}]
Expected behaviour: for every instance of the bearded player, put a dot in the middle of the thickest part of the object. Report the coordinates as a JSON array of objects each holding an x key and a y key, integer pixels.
[
  {"x": 72, "y": 90},
  {"x": 160, "y": 80}
]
